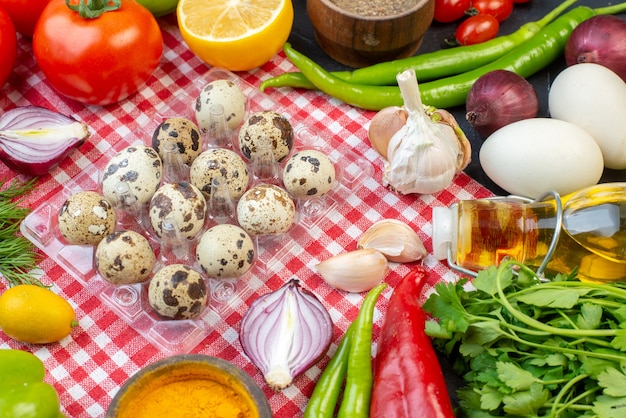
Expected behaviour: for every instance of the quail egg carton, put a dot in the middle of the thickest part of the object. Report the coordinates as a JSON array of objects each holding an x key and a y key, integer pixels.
[
  {"x": 351, "y": 170},
  {"x": 130, "y": 301}
]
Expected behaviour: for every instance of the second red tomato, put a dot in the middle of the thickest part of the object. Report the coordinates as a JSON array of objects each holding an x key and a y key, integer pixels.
[
  {"x": 447, "y": 11},
  {"x": 477, "y": 29},
  {"x": 500, "y": 9}
]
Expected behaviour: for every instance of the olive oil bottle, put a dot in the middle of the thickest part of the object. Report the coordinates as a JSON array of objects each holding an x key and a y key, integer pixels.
[{"x": 591, "y": 225}]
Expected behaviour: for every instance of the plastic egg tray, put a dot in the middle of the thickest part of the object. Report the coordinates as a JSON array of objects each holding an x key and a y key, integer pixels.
[{"x": 130, "y": 302}]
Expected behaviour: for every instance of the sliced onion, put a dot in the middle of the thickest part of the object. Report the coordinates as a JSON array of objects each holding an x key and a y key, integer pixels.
[
  {"x": 285, "y": 332},
  {"x": 34, "y": 139},
  {"x": 498, "y": 98},
  {"x": 600, "y": 40}
]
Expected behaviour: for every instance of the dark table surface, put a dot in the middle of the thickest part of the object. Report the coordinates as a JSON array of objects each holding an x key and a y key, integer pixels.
[{"x": 303, "y": 39}]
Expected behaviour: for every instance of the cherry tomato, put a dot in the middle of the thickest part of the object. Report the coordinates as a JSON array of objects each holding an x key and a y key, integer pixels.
[
  {"x": 477, "y": 29},
  {"x": 97, "y": 61},
  {"x": 8, "y": 46},
  {"x": 450, "y": 10},
  {"x": 500, "y": 9},
  {"x": 24, "y": 14}
]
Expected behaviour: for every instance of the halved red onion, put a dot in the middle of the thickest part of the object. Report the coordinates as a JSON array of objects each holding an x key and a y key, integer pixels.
[
  {"x": 285, "y": 332},
  {"x": 600, "y": 40},
  {"x": 34, "y": 139}
]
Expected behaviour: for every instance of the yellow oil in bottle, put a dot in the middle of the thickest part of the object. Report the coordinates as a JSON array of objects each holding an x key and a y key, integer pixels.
[{"x": 592, "y": 238}]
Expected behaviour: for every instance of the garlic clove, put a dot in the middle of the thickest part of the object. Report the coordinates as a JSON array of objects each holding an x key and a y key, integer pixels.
[
  {"x": 384, "y": 125},
  {"x": 355, "y": 271},
  {"x": 396, "y": 240},
  {"x": 465, "y": 154}
]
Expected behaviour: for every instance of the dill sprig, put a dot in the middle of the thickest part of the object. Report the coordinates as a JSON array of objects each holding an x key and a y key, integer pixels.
[{"x": 17, "y": 254}]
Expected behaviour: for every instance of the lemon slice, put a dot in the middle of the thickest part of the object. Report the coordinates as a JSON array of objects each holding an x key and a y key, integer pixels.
[{"x": 238, "y": 35}]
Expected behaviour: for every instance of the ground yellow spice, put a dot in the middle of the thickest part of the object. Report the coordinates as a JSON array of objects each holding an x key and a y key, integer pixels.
[{"x": 189, "y": 398}]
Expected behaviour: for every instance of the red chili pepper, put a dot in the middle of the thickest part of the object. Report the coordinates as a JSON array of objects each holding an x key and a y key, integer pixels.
[{"x": 407, "y": 374}]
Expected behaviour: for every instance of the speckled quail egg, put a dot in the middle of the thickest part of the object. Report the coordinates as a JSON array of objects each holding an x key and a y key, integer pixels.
[
  {"x": 225, "y": 251},
  {"x": 266, "y": 125},
  {"x": 308, "y": 173},
  {"x": 124, "y": 257},
  {"x": 177, "y": 291},
  {"x": 220, "y": 162},
  {"x": 266, "y": 209},
  {"x": 181, "y": 131},
  {"x": 86, "y": 217},
  {"x": 226, "y": 93},
  {"x": 183, "y": 203},
  {"x": 139, "y": 166}
]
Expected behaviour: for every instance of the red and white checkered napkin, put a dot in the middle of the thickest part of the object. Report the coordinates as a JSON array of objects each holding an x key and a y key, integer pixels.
[{"x": 89, "y": 367}]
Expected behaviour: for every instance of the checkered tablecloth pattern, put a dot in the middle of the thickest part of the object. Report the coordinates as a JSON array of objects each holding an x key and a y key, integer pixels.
[{"x": 89, "y": 367}]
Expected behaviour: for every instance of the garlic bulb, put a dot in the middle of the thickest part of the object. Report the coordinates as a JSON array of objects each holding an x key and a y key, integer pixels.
[
  {"x": 396, "y": 240},
  {"x": 355, "y": 271},
  {"x": 425, "y": 154}
]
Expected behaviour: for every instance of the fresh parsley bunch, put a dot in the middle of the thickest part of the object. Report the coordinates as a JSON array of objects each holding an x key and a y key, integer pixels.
[
  {"x": 17, "y": 254},
  {"x": 533, "y": 348}
]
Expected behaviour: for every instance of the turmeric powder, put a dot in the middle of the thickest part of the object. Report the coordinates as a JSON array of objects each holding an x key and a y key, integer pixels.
[{"x": 187, "y": 397}]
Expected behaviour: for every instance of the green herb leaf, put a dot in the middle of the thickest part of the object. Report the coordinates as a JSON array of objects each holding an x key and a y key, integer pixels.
[
  {"x": 613, "y": 381},
  {"x": 590, "y": 316},
  {"x": 526, "y": 403},
  {"x": 544, "y": 296},
  {"x": 609, "y": 407},
  {"x": 514, "y": 377}
]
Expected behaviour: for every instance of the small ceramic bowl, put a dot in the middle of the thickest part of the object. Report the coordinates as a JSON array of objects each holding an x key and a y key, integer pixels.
[
  {"x": 361, "y": 40},
  {"x": 190, "y": 384}
]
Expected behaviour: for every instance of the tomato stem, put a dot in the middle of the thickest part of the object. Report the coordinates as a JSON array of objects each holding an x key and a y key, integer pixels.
[{"x": 92, "y": 9}]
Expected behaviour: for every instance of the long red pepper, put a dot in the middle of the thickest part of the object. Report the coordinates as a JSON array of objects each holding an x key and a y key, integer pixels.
[{"x": 408, "y": 379}]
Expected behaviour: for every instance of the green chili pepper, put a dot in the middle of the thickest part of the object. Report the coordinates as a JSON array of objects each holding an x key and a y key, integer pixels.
[
  {"x": 430, "y": 65},
  {"x": 324, "y": 397},
  {"x": 359, "y": 376},
  {"x": 525, "y": 60},
  {"x": 23, "y": 393}
]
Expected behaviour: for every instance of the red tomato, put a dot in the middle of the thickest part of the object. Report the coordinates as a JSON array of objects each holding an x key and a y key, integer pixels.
[
  {"x": 450, "y": 10},
  {"x": 500, "y": 9},
  {"x": 477, "y": 29},
  {"x": 24, "y": 14},
  {"x": 8, "y": 46},
  {"x": 97, "y": 61}
]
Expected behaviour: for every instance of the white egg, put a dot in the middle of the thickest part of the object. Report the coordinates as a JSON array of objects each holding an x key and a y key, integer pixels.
[
  {"x": 594, "y": 98},
  {"x": 534, "y": 156}
]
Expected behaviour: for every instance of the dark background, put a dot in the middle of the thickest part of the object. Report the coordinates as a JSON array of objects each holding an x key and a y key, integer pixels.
[{"x": 303, "y": 39}]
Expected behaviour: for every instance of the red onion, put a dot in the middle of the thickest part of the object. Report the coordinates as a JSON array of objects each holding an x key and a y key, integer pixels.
[
  {"x": 285, "y": 332},
  {"x": 498, "y": 98},
  {"x": 33, "y": 139},
  {"x": 601, "y": 40}
]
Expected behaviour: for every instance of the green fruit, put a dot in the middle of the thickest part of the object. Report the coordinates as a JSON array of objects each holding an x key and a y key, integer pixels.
[{"x": 159, "y": 8}]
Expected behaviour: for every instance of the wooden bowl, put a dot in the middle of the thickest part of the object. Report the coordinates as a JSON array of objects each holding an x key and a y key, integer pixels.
[
  {"x": 358, "y": 40},
  {"x": 191, "y": 383}
]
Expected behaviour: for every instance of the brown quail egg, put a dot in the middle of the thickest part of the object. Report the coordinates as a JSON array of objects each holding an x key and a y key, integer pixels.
[
  {"x": 266, "y": 125},
  {"x": 124, "y": 257},
  {"x": 183, "y": 203},
  {"x": 225, "y": 251},
  {"x": 266, "y": 209},
  {"x": 226, "y": 93},
  {"x": 308, "y": 173},
  {"x": 220, "y": 162},
  {"x": 139, "y": 166},
  {"x": 177, "y": 291},
  {"x": 181, "y": 131},
  {"x": 86, "y": 217}
]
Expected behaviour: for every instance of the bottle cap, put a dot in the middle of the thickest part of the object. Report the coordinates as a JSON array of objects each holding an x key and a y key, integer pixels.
[{"x": 442, "y": 231}]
